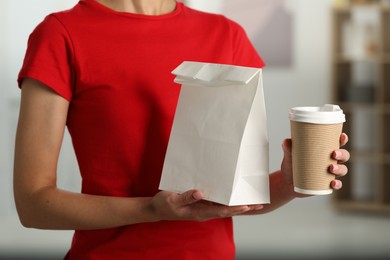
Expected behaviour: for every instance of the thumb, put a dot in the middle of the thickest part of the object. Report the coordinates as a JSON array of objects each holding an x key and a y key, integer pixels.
[
  {"x": 286, "y": 166},
  {"x": 189, "y": 197},
  {"x": 286, "y": 146}
]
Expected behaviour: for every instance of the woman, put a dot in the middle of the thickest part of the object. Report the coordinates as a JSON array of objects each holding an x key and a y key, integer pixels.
[{"x": 102, "y": 69}]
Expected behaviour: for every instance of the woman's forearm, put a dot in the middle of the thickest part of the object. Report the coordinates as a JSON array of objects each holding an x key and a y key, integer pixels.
[{"x": 52, "y": 208}]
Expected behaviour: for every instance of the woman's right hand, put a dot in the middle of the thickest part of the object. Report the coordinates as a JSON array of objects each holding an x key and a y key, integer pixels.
[{"x": 191, "y": 205}]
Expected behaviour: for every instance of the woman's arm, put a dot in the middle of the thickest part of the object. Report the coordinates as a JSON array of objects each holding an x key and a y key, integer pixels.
[{"x": 41, "y": 204}]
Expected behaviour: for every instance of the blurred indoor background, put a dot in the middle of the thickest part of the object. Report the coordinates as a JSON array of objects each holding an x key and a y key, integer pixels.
[{"x": 297, "y": 39}]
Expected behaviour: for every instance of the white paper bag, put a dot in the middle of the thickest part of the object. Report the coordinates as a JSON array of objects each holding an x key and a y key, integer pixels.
[{"x": 219, "y": 140}]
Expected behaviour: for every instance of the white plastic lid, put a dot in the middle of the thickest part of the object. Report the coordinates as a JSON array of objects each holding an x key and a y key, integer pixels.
[{"x": 327, "y": 114}]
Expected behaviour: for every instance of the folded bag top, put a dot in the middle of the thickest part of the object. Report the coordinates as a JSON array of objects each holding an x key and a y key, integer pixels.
[{"x": 212, "y": 74}]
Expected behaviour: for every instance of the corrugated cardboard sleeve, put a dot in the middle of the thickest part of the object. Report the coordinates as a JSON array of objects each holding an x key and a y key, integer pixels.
[{"x": 312, "y": 147}]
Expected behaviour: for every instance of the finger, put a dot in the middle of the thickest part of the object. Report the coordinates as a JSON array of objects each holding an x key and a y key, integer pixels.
[
  {"x": 338, "y": 169},
  {"x": 336, "y": 184},
  {"x": 226, "y": 211},
  {"x": 188, "y": 197},
  {"x": 341, "y": 155},
  {"x": 204, "y": 211},
  {"x": 256, "y": 207},
  {"x": 253, "y": 209},
  {"x": 343, "y": 139}
]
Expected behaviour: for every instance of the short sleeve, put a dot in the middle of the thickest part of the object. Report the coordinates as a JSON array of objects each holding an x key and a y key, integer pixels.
[
  {"x": 48, "y": 57},
  {"x": 245, "y": 53}
]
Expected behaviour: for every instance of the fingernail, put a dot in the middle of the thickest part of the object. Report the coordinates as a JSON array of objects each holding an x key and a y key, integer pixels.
[
  {"x": 197, "y": 195},
  {"x": 243, "y": 209},
  {"x": 336, "y": 185},
  {"x": 337, "y": 154},
  {"x": 334, "y": 167},
  {"x": 258, "y": 207}
]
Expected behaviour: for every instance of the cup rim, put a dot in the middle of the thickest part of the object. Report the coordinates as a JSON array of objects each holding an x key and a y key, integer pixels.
[{"x": 327, "y": 114}]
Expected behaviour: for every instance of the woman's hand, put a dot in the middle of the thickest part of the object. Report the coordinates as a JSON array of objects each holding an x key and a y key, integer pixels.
[
  {"x": 339, "y": 169},
  {"x": 191, "y": 205}
]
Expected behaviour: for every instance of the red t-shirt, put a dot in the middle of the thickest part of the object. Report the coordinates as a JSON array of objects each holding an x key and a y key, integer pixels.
[{"x": 115, "y": 70}]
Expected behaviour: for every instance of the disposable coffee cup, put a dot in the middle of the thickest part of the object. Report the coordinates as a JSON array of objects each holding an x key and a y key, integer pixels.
[{"x": 315, "y": 134}]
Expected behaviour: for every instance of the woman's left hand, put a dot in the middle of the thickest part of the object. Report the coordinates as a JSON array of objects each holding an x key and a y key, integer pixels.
[{"x": 339, "y": 169}]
